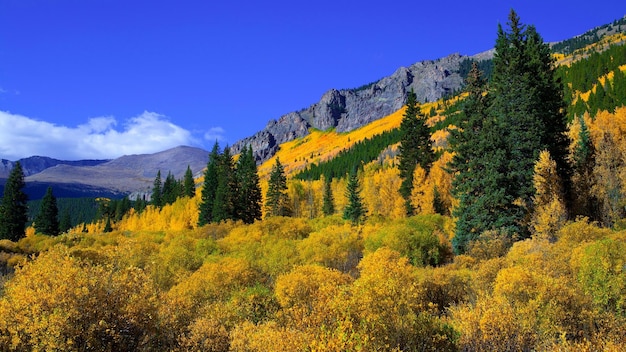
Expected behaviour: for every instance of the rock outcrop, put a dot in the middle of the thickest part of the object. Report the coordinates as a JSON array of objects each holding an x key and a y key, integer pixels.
[{"x": 349, "y": 109}]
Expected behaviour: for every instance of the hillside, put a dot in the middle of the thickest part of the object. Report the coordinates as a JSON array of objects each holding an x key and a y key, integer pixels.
[
  {"x": 152, "y": 278},
  {"x": 348, "y": 109},
  {"x": 127, "y": 174}
]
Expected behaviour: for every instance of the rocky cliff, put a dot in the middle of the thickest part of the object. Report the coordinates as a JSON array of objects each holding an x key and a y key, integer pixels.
[{"x": 349, "y": 109}]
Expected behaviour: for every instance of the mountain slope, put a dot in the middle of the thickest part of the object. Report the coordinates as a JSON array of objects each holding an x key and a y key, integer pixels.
[
  {"x": 127, "y": 174},
  {"x": 348, "y": 109},
  {"x": 36, "y": 164}
]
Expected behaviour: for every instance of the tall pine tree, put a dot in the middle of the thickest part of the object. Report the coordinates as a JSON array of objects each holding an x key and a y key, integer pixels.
[
  {"x": 328, "y": 207},
  {"x": 249, "y": 202},
  {"x": 13, "y": 209},
  {"x": 276, "y": 198},
  {"x": 226, "y": 192},
  {"x": 522, "y": 114},
  {"x": 354, "y": 210},
  {"x": 189, "y": 184},
  {"x": 477, "y": 161},
  {"x": 47, "y": 220},
  {"x": 157, "y": 191},
  {"x": 209, "y": 187},
  {"x": 415, "y": 147}
]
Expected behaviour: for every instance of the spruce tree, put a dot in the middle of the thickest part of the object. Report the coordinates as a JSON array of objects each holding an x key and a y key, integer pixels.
[
  {"x": 189, "y": 184},
  {"x": 157, "y": 193},
  {"x": 529, "y": 108},
  {"x": 171, "y": 189},
  {"x": 354, "y": 210},
  {"x": 47, "y": 220},
  {"x": 473, "y": 143},
  {"x": 249, "y": 198},
  {"x": 209, "y": 187},
  {"x": 224, "y": 206},
  {"x": 65, "y": 223},
  {"x": 328, "y": 207},
  {"x": 415, "y": 147},
  {"x": 276, "y": 197},
  {"x": 13, "y": 209},
  {"x": 586, "y": 204},
  {"x": 525, "y": 114},
  {"x": 107, "y": 225}
]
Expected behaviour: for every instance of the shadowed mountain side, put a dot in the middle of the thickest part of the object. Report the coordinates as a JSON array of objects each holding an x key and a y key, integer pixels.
[
  {"x": 127, "y": 174},
  {"x": 36, "y": 164}
]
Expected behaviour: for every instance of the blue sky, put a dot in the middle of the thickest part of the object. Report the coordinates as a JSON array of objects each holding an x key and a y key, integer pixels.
[{"x": 103, "y": 78}]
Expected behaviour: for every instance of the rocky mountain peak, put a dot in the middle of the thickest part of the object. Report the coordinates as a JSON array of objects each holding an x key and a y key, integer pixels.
[{"x": 349, "y": 109}]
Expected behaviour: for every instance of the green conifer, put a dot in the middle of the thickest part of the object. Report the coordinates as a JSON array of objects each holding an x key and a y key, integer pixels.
[
  {"x": 189, "y": 184},
  {"x": 47, "y": 220},
  {"x": 415, "y": 147},
  {"x": 209, "y": 187},
  {"x": 249, "y": 198},
  {"x": 157, "y": 192},
  {"x": 276, "y": 197},
  {"x": 354, "y": 210},
  {"x": 13, "y": 209},
  {"x": 328, "y": 207}
]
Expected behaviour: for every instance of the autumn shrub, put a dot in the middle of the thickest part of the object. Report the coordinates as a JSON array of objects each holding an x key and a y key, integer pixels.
[
  {"x": 490, "y": 244},
  {"x": 446, "y": 286},
  {"x": 389, "y": 310},
  {"x": 422, "y": 239},
  {"x": 338, "y": 247},
  {"x": 60, "y": 302},
  {"x": 214, "y": 282},
  {"x": 602, "y": 274}
]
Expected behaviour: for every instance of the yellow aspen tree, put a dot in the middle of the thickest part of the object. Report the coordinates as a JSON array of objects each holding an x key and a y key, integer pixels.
[
  {"x": 549, "y": 215},
  {"x": 422, "y": 195}
]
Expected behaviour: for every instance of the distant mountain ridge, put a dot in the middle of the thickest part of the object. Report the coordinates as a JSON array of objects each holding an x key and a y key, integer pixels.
[
  {"x": 36, "y": 164},
  {"x": 130, "y": 174}
]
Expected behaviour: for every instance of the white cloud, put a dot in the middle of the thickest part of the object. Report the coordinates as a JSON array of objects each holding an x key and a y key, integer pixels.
[
  {"x": 99, "y": 138},
  {"x": 215, "y": 134}
]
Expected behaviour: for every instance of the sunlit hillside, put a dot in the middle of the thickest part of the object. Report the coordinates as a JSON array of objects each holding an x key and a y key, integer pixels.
[
  {"x": 323, "y": 145},
  {"x": 152, "y": 277}
]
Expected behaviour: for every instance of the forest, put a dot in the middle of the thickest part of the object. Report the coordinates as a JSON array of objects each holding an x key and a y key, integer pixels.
[{"x": 495, "y": 220}]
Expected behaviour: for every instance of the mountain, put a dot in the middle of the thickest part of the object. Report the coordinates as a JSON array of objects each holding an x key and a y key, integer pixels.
[
  {"x": 36, "y": 164},
  {"x": 115, "y": 178},
  {"x": 349, "y": 109}
]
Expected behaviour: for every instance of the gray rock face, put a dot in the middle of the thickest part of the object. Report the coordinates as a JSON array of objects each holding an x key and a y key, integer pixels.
[{"x": 349, "y": 109}]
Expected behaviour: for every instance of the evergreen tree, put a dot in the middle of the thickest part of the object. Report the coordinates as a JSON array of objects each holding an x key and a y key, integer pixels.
[
  {"x": 354, "y": 210},
  {"x": 209, "y": 187},
  {"x": 225, "y": 204},
  {"x": 13, "y": 209},
  {"x": 65, "y": 224},
  {"x": 328, "y": 208},
  {"x": 140, "y": 204},
  {"x": 47, "y": 221},
  {"x": 474, "y": 143},
  {"x": 525, "y": 114},
  {"x": 276, "y": 197},
  {"x": 122, "y": 206},
  {"x": 250, "y": 198},
  {"x": 415, "y": 147},
  {"x": 171, "y": 189},
  {"x": 107, "y": 225},
  {"x": 157, "y": 193},
  {"x": 189, "y": 184}
]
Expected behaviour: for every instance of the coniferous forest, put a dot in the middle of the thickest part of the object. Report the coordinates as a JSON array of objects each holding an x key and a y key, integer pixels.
[{"x": 494, "y": 220}]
